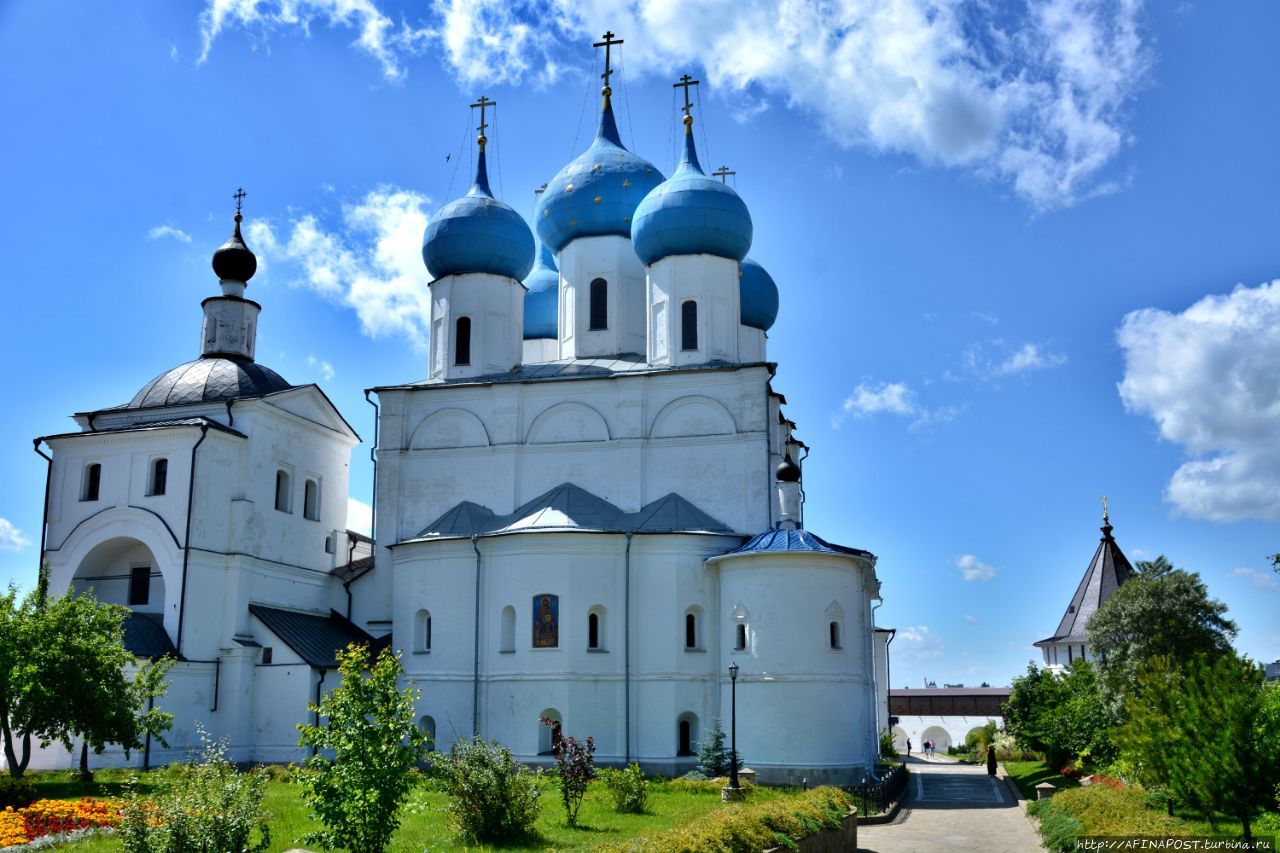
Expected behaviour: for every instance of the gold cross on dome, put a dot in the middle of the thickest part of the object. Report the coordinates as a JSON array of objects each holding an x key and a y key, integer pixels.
[
  {"x": 239, "y": 197},
  {"x": 607, "y": 44},
  {"x": 723, "y": 174},
  {"x": 483, "y": 104},
  {"x": 686, "y": 81}
]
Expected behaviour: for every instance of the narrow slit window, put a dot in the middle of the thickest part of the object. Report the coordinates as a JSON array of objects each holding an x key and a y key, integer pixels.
[
  {"x": 740, "y": 637},
  {"x": 598, "y": 319},
  {"x": 92, "y": 482},
  {"x": 282, "y": 491},
  {"x": 593, "y": 631},
  {"x": 139, "y": 586},
  {"x": 462, "y": 342},
  {"x": 689, "y": 325},
  {"x": 690, "y": 631},
  {"x": 311, "y": 500},
  {"x": 159, "y": 477},
  {"x": 835, "y": 635}
]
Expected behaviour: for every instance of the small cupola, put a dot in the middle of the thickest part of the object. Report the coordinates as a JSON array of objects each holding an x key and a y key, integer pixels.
[
  {"x": 230, "y": 320},
  {"x": 790, "y": 510}
]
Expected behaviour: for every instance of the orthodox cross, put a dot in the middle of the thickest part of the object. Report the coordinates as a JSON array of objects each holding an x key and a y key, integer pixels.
[
  {"x": 685, "y": 82},
  {"x": 239, "y": 197},
  {"x": 483, "y": 103},
  {"x": 607, "y": 44},
  {"x": 723, "y": 174}
]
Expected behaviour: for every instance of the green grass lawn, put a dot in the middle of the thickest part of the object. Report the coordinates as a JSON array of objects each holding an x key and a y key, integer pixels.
[
  {"x": 1027, "y": 774},
  {"x": 424, "y": 823}
]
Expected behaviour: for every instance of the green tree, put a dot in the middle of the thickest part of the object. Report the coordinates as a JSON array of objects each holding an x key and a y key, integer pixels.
[
  {"x": 64, "y": 674},
  {"x": 713, "y": 755},
  {"x": 1162, "y": 611},
  {"x": 368, "y": 729},
  {"x": 1151, "y": 737},
  {"x": 1060, "y": 716}
]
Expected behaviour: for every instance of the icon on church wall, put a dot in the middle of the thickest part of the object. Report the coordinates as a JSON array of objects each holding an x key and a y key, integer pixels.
[{"x": 546, "y": 621}]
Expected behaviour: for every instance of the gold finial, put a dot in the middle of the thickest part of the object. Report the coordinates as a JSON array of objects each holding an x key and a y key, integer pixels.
[
  {"x": 685, "y": 82},
  {"x": 484, "y": 103},
  {"x": 1106, "y": 519},
  {"x": 607, "y": 44},
  {"x": 723, "y": 174}
]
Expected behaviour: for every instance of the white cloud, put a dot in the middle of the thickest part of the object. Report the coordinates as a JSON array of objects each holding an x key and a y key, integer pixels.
[
  {"x": 11, "y": 538},
  {"x": 1036, "y": 98},
  {"x": 918, "y": 643},
  {"x": 974, "y": 569},
  {"x": 359, "y": 516},
  {"x": 372, "y": 263},
  {"x": 161, "y": 231},
  {"x": 971, "y": 619},
  {"x": 1210, "y": 379},
  {"x": 987, "y": 316},
  {"x": 1258, "y": 578},
  {"x": 890, "y": 398},
  {"x": 324, "y": 368},
  {"x": 173, "y": 52},
  {"x": 999, "y": 359},
  {"x": 377, "y": 33}
]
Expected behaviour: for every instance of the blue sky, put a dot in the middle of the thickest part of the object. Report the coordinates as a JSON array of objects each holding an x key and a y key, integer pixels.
[{"x": 1025, "y": 258}]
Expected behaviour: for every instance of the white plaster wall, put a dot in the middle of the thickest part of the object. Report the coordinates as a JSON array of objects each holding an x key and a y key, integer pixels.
[
  {"x": 751, "y": 343},
  {"x": 541, "y": 350},
  {"x": 712, "y": 284},
  {"x": 495, "y": 305},
  {"x": 1059, "y": 656},
  {"x": 281, "y": 692},
  {"x": 612, "y": 258},
  {"x": 920, "y": 727}
]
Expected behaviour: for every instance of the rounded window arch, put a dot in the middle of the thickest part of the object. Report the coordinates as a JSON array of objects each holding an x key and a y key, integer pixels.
[
  {"x": 507, "y": 640},
  {"x": 741, "y": 628},
  {"x": 427, "y": 725},
  {"x": 693, "y": 628},
  {"x": 689, "y": 325},
  {"x": 598, "y": 305},
  {"x": 596, "y": 629},
  {"x": 549, "y": 735},
  {"x": 687, "y": 733},
  {"x": 833, "y": 635},
  {"x": 422, "y": 631},
  {"x": 462, "y": 342}
]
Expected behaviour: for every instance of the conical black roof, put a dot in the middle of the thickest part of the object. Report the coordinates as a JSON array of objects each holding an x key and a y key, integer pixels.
[{"x": 1108, "y": 569}]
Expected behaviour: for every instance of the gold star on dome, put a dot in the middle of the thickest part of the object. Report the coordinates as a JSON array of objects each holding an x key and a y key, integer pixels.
[
  {"x": 598, "y": 199},
  {"x": 568, "y": 188},
  {"x": 573, "y": 222},
  {"x": 596, "y": 167},
  {"x": 626, "y": 182}
]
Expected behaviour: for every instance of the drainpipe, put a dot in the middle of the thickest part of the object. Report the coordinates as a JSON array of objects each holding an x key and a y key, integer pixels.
[
  {"x": 186, "y": 540},
  {"x": 346, "y": 585},
  {"x": 44, "y": 519},
  {"x": 373, "y": 457},
  {"x": 626, "y": 646},
  {"x": 875, "y": 712},
  {"x": 319, "y": 692},
  {"x": 475, "y": 674},
  {"x": 893, "y": 634}
]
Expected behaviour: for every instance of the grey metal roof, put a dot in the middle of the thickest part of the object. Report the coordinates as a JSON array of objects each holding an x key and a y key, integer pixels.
[
  {"x": 153, "y": 425},
  {"x": 208, "y": 380},
  {"x": 314, "y": 637},
  {"x": 571, "y": 507},
  {"x": 622, "y": 364},
  {"x": 145, "y": 636},
  {"x": 1107, "y": 570},
  {"x": 354, "y": 570},
  {"x": 795, "y": 540}
]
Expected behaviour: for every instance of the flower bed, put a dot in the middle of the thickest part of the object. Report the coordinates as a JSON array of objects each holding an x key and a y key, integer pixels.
[{"x": 55, "y": 817}]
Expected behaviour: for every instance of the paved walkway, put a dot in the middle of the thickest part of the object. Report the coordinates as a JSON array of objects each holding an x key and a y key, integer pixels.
[{"x": 953, "y": 807}]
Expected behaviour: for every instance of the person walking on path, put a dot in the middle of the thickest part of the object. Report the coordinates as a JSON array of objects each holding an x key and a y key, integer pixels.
[
  {"x": 908, "y": 747},
  {"x": 991, "y": 760}
]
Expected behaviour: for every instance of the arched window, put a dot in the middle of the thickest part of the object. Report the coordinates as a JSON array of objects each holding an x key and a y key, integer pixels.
[
  {"x": 549, "y": 735},
  {"x": 598, "y": 313},
  {"x": 740, "y": 620},
  {"x": 282, "y": 491},
  {"x": 91, "y": 483},
  {"x": 427, "y": 725},
  {"x": 311, "y": 500},
  {"x": 835, "y": 617},
  {"x": 159, "y": 477},
  {"x": 595, "y": 628},
  {"x": 508, "y": 638},
  {"x": 462, "y": 341},
  {"x": 691, "y": 635},
  {"x": 423, "y": 631},
  {"x": 835, "y": 634},
  {"x": 686, "y": 733},
  {"x": 689, "y": 325}
]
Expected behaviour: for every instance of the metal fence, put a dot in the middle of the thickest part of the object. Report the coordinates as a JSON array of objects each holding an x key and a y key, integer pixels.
[{"x": 876, "y": 796}]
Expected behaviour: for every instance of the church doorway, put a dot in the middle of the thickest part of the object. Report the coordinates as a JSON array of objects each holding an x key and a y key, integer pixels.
[
  {"x": 122, "y": 570},
  {"x": 686, "y": 733},
  {"x": 549, "y": 735}
]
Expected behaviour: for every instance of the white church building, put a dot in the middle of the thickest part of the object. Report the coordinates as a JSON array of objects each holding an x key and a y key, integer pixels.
[{"x": 587, "y": 510}]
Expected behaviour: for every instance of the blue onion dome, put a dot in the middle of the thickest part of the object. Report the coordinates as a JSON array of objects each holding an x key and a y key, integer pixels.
[
  {"x": 232, "y": 261},
  {"x": 598, "y": 192},
  {"x": 691, "y": 214},
  {"x": 478, "y": 233},
  {"x": 757, "y": 295},
  {"x": 542, "y": 297}
]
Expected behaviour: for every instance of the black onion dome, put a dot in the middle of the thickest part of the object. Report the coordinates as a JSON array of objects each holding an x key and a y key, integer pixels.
[
  {"x": 208, "y": 380},
  {"x": 788, "y": 471},
  {"x": 233, "y": 261}
]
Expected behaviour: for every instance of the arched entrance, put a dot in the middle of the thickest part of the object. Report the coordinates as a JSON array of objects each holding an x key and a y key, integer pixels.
[
  {"x": 937, "y": 734},
  {"x": 122, "y": 570},
  {"x": 900, "y": 740}
]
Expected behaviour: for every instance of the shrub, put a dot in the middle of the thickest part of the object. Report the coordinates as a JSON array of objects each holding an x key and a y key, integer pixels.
[
  {"x": 629, "y": 789},
  {"x": 713, "y": 756},
  {"x": 16, "y": 793},
  {"x": 887, "y": 749},
  {"x": 279, "y": 772},
  {"x": 1059, "y": 830},
  {"x": 492, "y": 797},
  {"x": 576, "y": 766},
  {"x": 1104, "y": 810},
  {"x": 746, "y": 829},
  {"x": 209, "y": 806}
]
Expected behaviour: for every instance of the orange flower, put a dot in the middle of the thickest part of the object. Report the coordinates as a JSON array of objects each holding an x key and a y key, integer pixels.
[{"x": 49, "y": 817}]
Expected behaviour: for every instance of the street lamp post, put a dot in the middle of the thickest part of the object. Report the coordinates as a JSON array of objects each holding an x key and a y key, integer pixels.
[{"x": 733, "y": 726}]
